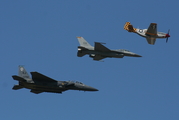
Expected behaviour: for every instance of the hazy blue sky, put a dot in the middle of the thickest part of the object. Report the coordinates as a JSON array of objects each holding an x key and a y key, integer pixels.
[{"x": 41, "y": 34}]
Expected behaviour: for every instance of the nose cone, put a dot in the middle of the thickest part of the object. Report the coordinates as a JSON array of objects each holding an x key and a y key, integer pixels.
[
  {"x": 88, "y": 88},
  {"x": 167, "y": 35},
  {"x": 136, "y": 55}
]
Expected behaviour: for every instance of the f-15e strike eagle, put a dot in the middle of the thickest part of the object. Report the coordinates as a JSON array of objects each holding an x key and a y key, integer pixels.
[
  {"x": 40, "y": 83},
  {"x": 99, "y": 51},
  {"x": 150, "y": 34}
]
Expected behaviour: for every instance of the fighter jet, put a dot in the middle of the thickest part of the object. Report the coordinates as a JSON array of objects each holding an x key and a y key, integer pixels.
[
  {"x": 150, "y": 34},
  {"x": 99, "y": 51},
  {"x": 40, "y": 83}
]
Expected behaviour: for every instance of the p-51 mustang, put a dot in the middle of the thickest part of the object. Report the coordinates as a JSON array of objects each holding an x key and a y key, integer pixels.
[
  {"x": 99, "y": 51},
  {"x": 40, "y": 83},
  {"x": 150, "y": 34}
]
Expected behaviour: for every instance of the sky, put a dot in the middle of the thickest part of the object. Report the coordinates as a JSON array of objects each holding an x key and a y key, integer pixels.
[{"x": 41, "y": 35}]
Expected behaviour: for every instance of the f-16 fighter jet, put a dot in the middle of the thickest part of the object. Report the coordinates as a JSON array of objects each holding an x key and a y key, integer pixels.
[
  {"x": 40, "y": 83},
  {"x": 99, "y": 51},
  {"x": 150, "y": 34}
]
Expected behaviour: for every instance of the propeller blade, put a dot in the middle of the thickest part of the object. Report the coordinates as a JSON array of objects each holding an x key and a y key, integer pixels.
[
  {"x": 168, "y": 31},
  {"x": 167, "y": 40},
  {"x": 168, "y": 35}
]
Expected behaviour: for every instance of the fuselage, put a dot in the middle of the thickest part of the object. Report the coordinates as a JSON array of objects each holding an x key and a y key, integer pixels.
[
  {"x": 42, "y": 87},
  {"x": 56, "y": 87},
  {"x": 142, "y": 32},
  {"x": 119, "y": 53}
]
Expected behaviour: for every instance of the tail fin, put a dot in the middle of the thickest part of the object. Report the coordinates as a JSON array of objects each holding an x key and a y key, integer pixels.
[
  {"x": 84, "y": 43},
  {"x": 129, "y": 27},
  {"x": 23, "y": 73}
]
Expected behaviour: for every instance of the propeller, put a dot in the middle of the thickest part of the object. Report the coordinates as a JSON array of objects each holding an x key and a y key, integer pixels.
[{"x": 167, "y": 35}]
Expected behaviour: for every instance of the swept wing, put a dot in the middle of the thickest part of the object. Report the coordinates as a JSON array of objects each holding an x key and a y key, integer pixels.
[
  {"x": 40, "y": 77},
  {"x": 100, "y": 47}
]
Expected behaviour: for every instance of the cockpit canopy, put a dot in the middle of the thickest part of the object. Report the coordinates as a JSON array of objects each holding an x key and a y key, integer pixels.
[
  {"x": 73, "y": 81},
  {"x": 123, "y": 50},
  {"x": 161, "y": 33}
]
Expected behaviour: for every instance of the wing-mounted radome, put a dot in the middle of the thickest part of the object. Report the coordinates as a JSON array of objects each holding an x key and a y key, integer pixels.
[{"x": 129, "y": 27}]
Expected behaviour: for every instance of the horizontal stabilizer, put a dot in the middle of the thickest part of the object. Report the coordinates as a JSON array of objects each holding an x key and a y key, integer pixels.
[
  {"x": 15, "y": 77},
  {"x": 17, "y": 87},
  {"x": 80, "y": 54},
  {"x": 100, "y": 47},
  {"x": 129, "y": 27}
]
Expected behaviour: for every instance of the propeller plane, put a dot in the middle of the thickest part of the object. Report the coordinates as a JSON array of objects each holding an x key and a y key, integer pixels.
[{"x": 150, "y": 34}]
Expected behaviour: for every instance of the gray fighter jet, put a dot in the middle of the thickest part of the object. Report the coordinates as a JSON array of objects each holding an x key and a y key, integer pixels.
[
  {"x": 40, "y": 83},
  {"x": 99, "y": 51}
]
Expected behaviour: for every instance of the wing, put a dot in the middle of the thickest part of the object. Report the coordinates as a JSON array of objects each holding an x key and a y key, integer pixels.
[
  {"x": 152, "y": 30},
  {"x": 98, "y": 57},
  {"x": 151, "y": 40},
  {"x": 39, "y": 77},
  {"x": 100, "y": 47}
]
